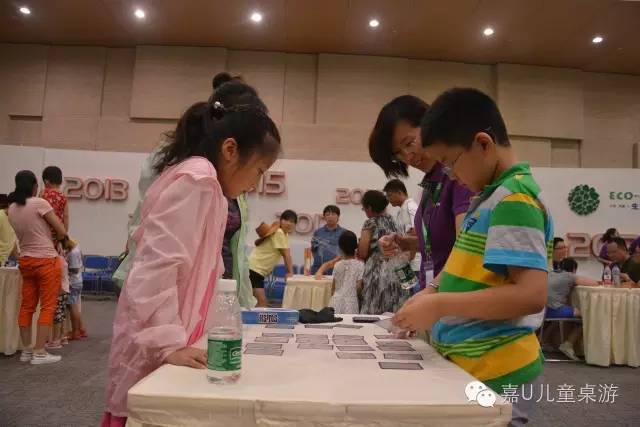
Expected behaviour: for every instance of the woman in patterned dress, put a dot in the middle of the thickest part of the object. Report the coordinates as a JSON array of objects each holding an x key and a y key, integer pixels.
[{"x": 382, "y": 292}]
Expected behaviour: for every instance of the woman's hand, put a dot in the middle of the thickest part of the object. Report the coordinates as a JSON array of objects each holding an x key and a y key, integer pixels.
[
  {"x": 389, "y": 244},
  {"x": 188, "y": 356}
]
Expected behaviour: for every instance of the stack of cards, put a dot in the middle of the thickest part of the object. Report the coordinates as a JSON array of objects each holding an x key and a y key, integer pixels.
[{"x": 347, "y": 326}]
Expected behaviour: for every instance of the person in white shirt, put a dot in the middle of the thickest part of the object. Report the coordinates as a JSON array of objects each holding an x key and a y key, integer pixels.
[{"x": 396, "y": 192}]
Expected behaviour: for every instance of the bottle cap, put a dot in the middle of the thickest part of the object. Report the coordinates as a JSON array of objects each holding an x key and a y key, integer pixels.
[{"x": 227, "y": 285}]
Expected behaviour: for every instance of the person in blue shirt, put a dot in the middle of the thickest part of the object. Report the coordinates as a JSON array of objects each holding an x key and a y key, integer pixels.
[{"x": 324, "y": 244}]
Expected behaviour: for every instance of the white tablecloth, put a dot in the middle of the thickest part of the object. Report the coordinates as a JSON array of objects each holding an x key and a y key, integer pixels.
[
  {"x": 10, "y": 290},
  {"x": 611, "y": 325},
  {"x": 314, "y": 388},
  {"x": 307, "y": 292},
  {"x": 10, "y": 297}
]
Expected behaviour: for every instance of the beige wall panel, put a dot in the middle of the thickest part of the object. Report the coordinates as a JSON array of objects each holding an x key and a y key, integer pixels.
[
  {"x": 325, "y": 142},
  {"x": 611, "y": 119},
  {"x": 168, "y": 79},
  {"x": 427, "y": 79},
  {"x": 541, "y": 101},
  {"x": 352, "y": 89},
  {"x": 565, "y": 154},
  {"x": 301, "y": 76},
  {"x": 264, "y": 71},
  {"x": 24, "y": 131},
  {"x": 118, "y": 82},
  {"x": 70, "y": 132},
  {"x": 75, "y": 77},
  {"x": 121, "y": 134},
  {"x": 536, "y": 151},
  {"x": 23, "y": 70}
]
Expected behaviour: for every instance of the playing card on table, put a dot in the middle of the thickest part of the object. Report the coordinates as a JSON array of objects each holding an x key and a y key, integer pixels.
[
  {"x": 349, "y": 342},
  {"x": 319, "y": 326},
  {"x": 402, "y": 366},
  {"x": 347, "y": 355},
  {"x": 264, "y": 345},
  {"x": 348, "y": 326},
  {"x": 403, "y": 356},
  {"x": 278, "y": 326},
  {"x": 303, "y": 340},
  {"x": 278, "y": 334},
  {"x": 277, "y": 340},
  {"x": 354, "y": 348},
  {"x": 346, "y": 336},
  {"x": 311, "y": 346},
  {"x": 385, "y": 337},
  {"x": 264, "y": 351},
  {"x": 395, "y": 343},
  {"x": 394, "y": 348},
  {"x": 388, "y": 326}
]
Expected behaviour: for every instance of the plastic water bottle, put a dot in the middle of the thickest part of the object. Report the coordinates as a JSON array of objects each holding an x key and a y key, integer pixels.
[
  {"x": 224, "y": 344},
  {"x": 606, "y": 276},
  {"x": 615, "y": 273},
  {"x": 401, "y": 266}
]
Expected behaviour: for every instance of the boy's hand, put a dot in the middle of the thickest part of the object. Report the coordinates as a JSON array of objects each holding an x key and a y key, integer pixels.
[
  {"x": 419, "y": 313},
  {"x": 188, "y": 356}
]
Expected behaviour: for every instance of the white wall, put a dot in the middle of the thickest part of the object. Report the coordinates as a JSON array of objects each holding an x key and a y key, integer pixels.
[{"x": 100, "y": 226}]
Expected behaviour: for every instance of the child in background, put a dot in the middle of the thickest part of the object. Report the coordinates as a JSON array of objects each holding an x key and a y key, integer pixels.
[
  {"x": 483, "y": 308},
  {"x": 74, "y": 261},
  {"x": 58, "y": 337},
  {"x": 272, "y": 244},
  {"x": 52, "y": 178},
  {"x": 347, "y": 276}
]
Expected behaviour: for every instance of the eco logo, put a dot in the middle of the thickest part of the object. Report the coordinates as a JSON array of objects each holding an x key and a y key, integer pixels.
[{"x": 583, "y": 199}]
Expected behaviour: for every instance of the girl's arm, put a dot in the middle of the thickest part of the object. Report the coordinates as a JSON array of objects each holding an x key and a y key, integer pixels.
[{"x": 326, "y": 266}]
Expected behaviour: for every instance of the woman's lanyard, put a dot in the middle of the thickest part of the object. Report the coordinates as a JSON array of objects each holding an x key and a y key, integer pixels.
[{"x": 434, "y": 195}]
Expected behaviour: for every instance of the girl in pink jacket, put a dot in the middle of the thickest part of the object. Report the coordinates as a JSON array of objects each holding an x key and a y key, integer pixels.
[{"x": 215, "y": 153}]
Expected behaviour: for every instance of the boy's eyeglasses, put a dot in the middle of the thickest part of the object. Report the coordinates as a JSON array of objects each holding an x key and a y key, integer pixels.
[{"x": 448, "y": 169}]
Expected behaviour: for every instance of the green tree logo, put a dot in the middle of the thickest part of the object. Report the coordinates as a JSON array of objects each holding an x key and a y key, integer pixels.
[{"x": 584, "y": 200}]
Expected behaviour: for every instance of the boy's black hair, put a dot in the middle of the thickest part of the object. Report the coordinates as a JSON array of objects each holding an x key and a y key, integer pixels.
[
  {"x": 52, "y": 174},
  {"x": 376, "y": 200},
  {"x": 569, "y": 264},
  {"x": 557, "y": 240},
  {"x": 458, "y": 114},
  {"x": 348, "y": 243},
  {"x": 289, "y": 215},
  {"x": 395, "y": 185},
  {"x": 331, "y": 209}
]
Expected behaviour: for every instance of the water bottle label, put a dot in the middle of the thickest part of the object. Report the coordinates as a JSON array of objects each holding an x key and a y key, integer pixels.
[
  {"x": 405, "y": 273},
  {"x": 224, "y": 355}
]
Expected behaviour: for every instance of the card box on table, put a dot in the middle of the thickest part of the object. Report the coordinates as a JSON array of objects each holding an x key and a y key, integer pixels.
[{"x": 265, "y": 316}]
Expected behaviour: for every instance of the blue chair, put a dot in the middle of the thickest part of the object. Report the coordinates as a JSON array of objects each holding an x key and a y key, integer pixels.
[
  {"x": 96, "y": 262},
  {"x": 96, "y": 268}
]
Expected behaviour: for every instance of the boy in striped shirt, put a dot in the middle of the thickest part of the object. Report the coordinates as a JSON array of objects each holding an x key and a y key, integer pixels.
[{"x": 485, "y": 305}]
